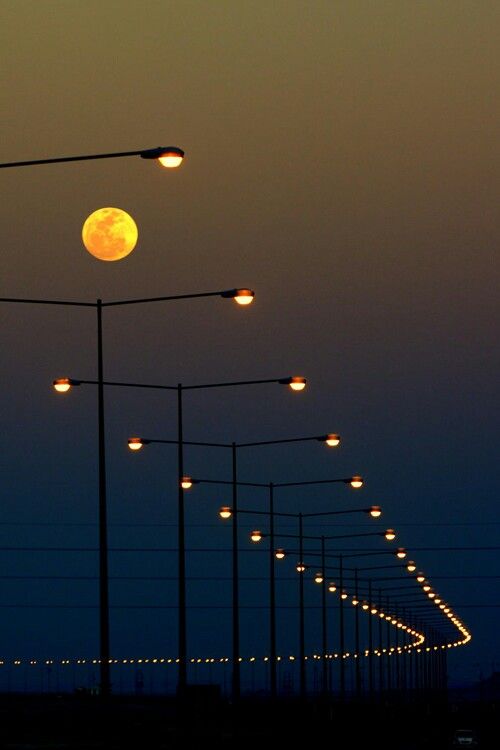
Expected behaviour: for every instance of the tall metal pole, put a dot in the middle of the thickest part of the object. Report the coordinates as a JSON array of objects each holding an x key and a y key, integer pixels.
[
  {"x": 302, "y": 648},
  {"x": 370, "y": 643},
  {"x": 103, "y": 525},
  {"x": 341, "y": 629},
  {"x": 388, "y": 659},
  {"x": 356, "y": 637},
  {"x": 324, "y": 643},
  {"x": 272, "y": 597},
  {"x": 182, "y": 676},
  {"x": 381, "y": 684},
  {"x": 236, "y": 601}
]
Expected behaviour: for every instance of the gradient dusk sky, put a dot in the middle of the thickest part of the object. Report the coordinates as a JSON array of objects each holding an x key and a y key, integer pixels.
[{"x": 342, "y": 159}]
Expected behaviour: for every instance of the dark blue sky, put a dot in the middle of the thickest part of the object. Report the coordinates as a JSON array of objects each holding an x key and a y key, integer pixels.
[{"x": 340, "y": 161}]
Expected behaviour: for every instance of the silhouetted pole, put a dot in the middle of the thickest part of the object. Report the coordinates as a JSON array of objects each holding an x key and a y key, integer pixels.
[
  {"x": 396, "y": 652},
  {"x": 272, "y": 596},
  {"x": 324, "y": 642},
  {"x": 388, "y": 657},
  {"x": 302, "y": 646},
  {"x": 236, "y": 601},
  {"x": 356, "y": 638},
  {"x": 103, "y": 527},
  {"x": 370, "y": 643},
  {"x": 341, "y": 630},
  {"x": 381, "y": 681},
  {"x": 182, "y": 674}
]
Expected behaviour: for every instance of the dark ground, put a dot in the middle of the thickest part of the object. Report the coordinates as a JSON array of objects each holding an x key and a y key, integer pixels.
[{"x": 53, "y": 721}]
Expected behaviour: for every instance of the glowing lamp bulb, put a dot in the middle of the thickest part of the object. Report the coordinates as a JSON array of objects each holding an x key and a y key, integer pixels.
[
  {"x": 431, "y": 594},
  {"x": 332, "y": 588},
  {"x": 186, "y": 483},
  {"x": 401, "y": 553},
  {"x": 343, "y": 595},
  {"x": 135, "y": 444},
  {"x": 62, "y": 385},
  {"x": 411, "y": 567},
  {"x": 297, "y": 383},
  {"x": 426, "y": 587},
  {"x": 279, "y": 554},
  {"x": 356, "y": 482},
  {"x": 244, "y": 296},
  {"x": 256, "y": 536},
  {"x": 364, "y": 606},
  {"x": 390, "y": 535},
  {"x": 318, "y": 578},
  {"x": 354, "y": 601},
  {"x": 171, "y": 158},
  {"x": 375, "y": 511},
  {"x": 300, "y": 568},
  {"x": 420, "y": 578},
  {"x": 225, "y": 512},
  {"x": 332, "y": 439}
]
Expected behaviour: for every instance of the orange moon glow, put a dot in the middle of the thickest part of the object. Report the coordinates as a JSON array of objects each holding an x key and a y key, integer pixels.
[{"x": 109, "y": 234}]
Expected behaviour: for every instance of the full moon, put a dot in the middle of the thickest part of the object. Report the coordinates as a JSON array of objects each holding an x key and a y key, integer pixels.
[{"x": 109, "y": 234}]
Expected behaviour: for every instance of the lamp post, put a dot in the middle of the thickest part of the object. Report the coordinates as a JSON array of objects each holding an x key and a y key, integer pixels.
[
  {"x": 355, "y": 481},
  {"x": 295, "y": 383},
  {"x": 301, "y": 568},
  {"x": 167, "y": 156},
  {"x": 63, "y": 385}
]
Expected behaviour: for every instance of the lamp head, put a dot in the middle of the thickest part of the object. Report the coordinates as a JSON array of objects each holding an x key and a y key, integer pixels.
[
  {"x": 295, "y": 382},
  {"x": 63, "y": 385},
  {"x": 280, "y": 553},
  {"x": 186, "y": 483},
  {"x": 332, "y": 439},
  {"x": 136, "y": 443},
  {"x": 411, "y": 567},
  {"x": 318, "y": 578},
  {"x": 240, "y": 296},
  {"x": 401, "y": 553},
  {"x": 356, "y": 482},
  {"x": 167, "y": 156},
  {"x": 375, "y": 511},
  {"x": 390, "y": 535},
  {"x": 300, "y": 567},
  {"x": 225, "y": 512},
  {"x": 256, "y": 536}
]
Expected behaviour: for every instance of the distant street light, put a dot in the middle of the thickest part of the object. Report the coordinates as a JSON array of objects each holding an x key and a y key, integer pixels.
[{"x": 167, "y": 156}]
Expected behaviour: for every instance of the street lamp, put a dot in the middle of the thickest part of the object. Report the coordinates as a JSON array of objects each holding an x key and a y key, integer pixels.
[
  {"x": 167, "y": 156},
  {"x": 64, "y": 385},
  {"x": 136, "y": 443}
]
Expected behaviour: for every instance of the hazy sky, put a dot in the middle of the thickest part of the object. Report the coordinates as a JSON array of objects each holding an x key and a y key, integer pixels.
[{"x": 342, "y": 160}]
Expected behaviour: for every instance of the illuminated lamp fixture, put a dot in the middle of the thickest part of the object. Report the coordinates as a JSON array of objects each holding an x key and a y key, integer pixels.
[
  {"x": 332, "y": 439},
  {"x": 136, "y": 443},
  {"x": 420, "y": 578},
  {"x": 426, "y": 587},
  {"x": 296, "y": 382},
  {"x": 332, "y": 588},
  {"x": 354, "y": 601},
  {"x": 411, "y": 567},
  {"x": 356, "y": 482},
  {"x": 375, "y": 511},
  {"x": 318, "y": 578},
  {"x": 390, "y": 535},
  {"x": 167, "y": 156},
  {"x": 343, "y": 595},
  {"x": 225, "y": 512},
  {"x": 401, "y": 553},
  {"x": 62, "y": 385},
  {"x": 240, "y": 296},
  {"x": 300, "y": 567},
  {"x": 256, "y": 536},
  {"x": 364, "y": 606},
  {"x": 279, "y": 554},
  {"x": 186, "y": 483}
]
